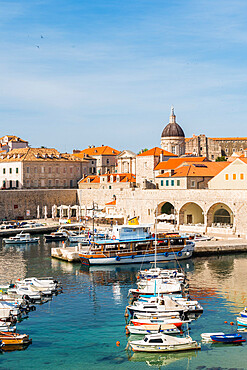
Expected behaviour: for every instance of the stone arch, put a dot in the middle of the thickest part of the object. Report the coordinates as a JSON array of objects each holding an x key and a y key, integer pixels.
[
  {"x": 165, "y": 207},
  {"x": 220, "y": 214},
  {"x": 191, "y": 213}
]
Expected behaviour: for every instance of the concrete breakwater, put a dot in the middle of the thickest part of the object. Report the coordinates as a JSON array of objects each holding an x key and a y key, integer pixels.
[{"x": 220, "y": 247}]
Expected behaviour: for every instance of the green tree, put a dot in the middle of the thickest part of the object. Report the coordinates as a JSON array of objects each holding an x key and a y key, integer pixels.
[
  {"x": 142, "y": 151},
  {"x": 220, "y": 159}
]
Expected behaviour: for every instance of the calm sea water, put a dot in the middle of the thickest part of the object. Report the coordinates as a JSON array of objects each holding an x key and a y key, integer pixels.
[{"x": 79, "y": 328}]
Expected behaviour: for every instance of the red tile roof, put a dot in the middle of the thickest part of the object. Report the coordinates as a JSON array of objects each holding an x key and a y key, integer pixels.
[
  {"x": 156, "y": 152},
  {"x": 173, "y": 163},
  {"x": 113, "y": 203},
  {"x": 100, "y": 150},
  {"x": 205, "y": 169}
]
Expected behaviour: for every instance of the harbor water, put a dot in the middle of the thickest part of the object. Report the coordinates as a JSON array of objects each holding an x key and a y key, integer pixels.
[{"x": 79, "y": 328}]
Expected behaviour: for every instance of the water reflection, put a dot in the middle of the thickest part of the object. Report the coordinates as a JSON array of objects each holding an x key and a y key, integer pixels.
[{"x": 163, "y": 359}]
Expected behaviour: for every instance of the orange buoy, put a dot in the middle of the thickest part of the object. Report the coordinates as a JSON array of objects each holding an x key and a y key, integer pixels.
[
  {"x": 231, "y": 323},
  {"x": 138, "y": 277},
  {"x": 118, "y": 343},
  {"x": 225, "y": 322}
]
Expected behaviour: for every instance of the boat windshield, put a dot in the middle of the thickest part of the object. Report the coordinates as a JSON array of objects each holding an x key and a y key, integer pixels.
[{"x": 145, "y": 339}]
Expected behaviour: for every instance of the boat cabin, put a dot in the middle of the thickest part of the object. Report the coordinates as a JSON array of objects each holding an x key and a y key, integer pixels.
[{"x": 127, "y": 232}]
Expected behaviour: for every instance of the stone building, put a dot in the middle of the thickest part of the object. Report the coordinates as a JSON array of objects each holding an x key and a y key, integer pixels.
[
  {"x": 108, "y": 181},
  {"x": 29, "y": 168},
  {"x": 10, "y": 142},
  {"x": 172, "y": 137},
  {"x": 126, "y": 162},
  {"x": 105, "y": 157},
  {"x": 145, "y": 164}
]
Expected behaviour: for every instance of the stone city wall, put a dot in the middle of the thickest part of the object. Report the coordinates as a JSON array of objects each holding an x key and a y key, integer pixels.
[
  {"x": 142, "y": 203},
  {"x": 19, "y": 204}
]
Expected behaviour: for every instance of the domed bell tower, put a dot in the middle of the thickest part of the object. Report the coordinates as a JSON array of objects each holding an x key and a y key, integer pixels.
[{"x": 172, "y": 137}]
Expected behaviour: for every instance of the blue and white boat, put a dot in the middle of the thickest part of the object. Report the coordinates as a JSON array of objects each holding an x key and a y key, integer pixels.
[
  {"x": 243, "y": 313},
  {"x": 228, "y": 338},
  {"x": 242, "y": 321},
  {"x": 136, "y": 244}
]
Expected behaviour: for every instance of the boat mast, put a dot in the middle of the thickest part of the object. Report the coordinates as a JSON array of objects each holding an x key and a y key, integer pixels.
[{"x": 155, "y": 241}]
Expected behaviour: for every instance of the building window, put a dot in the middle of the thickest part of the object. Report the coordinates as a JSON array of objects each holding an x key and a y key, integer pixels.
[
  {"x": 28, "y": 183},
  {"x": 241, "y": 149},
  {"x": 49, "y": 183},
  {"x": 241, "y": 176},
  {"x": 10, "y": 170},
  {"x": 64, "y": 183},
  {"x": 57, "y": 183},
  {"x": 49, "y": 169},
  {"x": 16, "y": 170},
  {"x": 234, "y": 176},
  {"x": 109, "y": 186},
  {"x": 167, "y": 182},
  {"x": 35, "y": 169},
  {"x": 193, "y": 183},
  {"x": 107, "y": 161},
  {"x": 4, "y": 184},
  {"x": 212, "y": 156},
  {"x": 178, "y": 182},
  {"x": 42, "y": 169},
  {"x": 42, "y": 183},
  {"x": 71, "y": 169},
  {"x": 4, "y": 171},
  {"x": 71, "y": 183},
  {"x": 226, "y": 176},
  {"x": 173, "y": 149},
  {"x": 162, "y": 182},
  {"x": 57, "y": 170},
  {"x": 172, "y": 182},
  {"x": 28, "y": 169},
  {"x": 17, "y": 184},
  {"x": 35, "y": 183},
  {"x": 233, "y": 150},
  {"x": 64, "y": 170},
  {"x": 226, "y": 150}
]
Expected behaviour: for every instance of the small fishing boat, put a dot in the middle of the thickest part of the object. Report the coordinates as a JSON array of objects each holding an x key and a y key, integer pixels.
[
  {"x": 7, "y": 326},
  {"x": 206, "y": 337},
  {"x": 228, "y": 338},
  {"x": 14, "y": 338},
  {"x": 22, "y": 238},
  {"x": 56, "y": 236},
  {"x": 152, "y": 329},
  {"x": 161, "y": 273},
  {"x": 160, "y": 321},
  {"x": 26, "y": 292},
  {"x": 243, "y": 313},
  {"x": 242, "y": 321},
  {"x": 164, "y": 343}
]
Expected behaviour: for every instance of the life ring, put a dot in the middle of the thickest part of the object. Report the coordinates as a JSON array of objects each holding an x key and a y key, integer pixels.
[
  {"x": 113, "y": 238},
  {"x": 179, "y": 254},
  {"x": 166, "y": 254},
  {"x": 153, "y": 235},
  {"x": 117, "y": 258}
]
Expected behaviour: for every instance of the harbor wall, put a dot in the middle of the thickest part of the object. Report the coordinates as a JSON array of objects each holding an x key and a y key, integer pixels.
[{"x": 22, "y": 204}]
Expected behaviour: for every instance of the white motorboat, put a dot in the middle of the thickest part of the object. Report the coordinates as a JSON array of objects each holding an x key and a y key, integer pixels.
[
  {"x": 152, "y": 329},
  {"x": 154, "y": 286},
  {"x": 7, "y": 326},
  {"x": 25, "y": 291},
  {"x": 164, "y": 343},
  {"x": 7, "y": 310},
  {"x": 37, "y": 283},
  {"x": 161, "y": 273},
  {"x": 158, "y": 305},
  {"x": 22, "y": 238},
  {"x": 34, "y": 289},
  {"x": 56, "y": 236}
]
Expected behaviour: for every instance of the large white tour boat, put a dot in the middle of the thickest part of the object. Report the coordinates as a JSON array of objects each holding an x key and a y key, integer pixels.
[{"x": 136, "y": 244}]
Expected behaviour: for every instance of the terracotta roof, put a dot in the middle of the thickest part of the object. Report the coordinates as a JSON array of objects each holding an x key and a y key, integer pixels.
[
  {"x": 93, "y": 179},
  {"x": 156, "y": 152},
  {"x": 13, "y": 138},
  {"x": 38, "y": 155},
  {"x": 100, "y": 150},
  {"x": 113, "y": 203},
  {"x": 173, "y": 163},
  {"x": 205, "y": 169}
]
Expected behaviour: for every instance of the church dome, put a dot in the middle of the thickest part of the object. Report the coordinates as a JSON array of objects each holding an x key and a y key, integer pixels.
[{"x": 172, "y": 129}]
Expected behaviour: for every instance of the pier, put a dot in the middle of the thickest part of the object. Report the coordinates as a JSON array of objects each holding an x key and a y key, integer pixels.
[{"x": 224, "y": 246}]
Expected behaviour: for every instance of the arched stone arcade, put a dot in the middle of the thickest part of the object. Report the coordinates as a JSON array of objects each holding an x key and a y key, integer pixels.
[
  {"x": 165, "y": 207},
  {"x": 191, "y": 214},
  {"x": 220, "y": 215}
]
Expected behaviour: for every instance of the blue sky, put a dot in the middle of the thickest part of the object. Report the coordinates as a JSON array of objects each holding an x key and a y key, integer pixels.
[{"x": 75, "y": 73}]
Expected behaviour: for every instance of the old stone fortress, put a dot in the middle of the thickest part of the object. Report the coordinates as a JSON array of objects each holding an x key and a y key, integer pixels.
[{"x": 183, "y": 178}]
